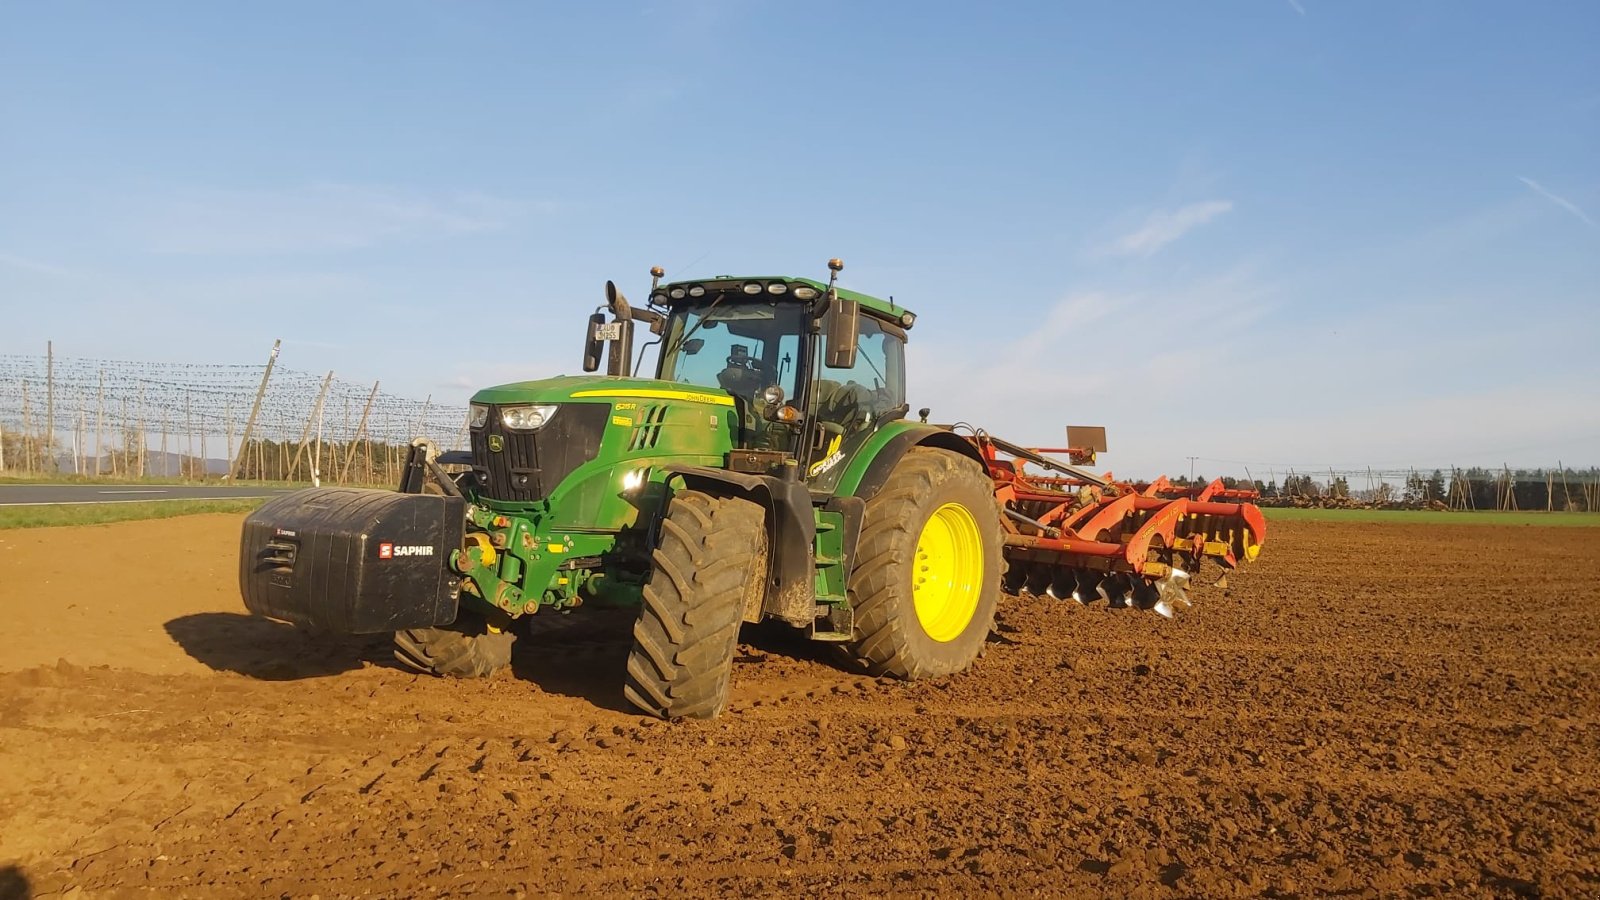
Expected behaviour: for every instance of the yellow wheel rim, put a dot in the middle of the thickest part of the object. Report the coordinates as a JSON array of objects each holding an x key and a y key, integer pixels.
[{"x": 947, "y": 576}]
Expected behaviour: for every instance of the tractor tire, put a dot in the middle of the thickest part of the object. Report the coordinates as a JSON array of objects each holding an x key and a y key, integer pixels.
[
  {"x": 688, "y": 624},
  {"x": 464, "y": 649},
  {"x": 928, "y": 568}
]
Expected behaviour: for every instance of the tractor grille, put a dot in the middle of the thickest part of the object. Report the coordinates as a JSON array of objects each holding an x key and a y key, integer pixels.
[{"x": 530, "y": 464}]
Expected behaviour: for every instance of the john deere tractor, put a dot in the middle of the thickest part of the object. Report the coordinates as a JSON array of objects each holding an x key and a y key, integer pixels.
[{"x": 766, "y": 471}]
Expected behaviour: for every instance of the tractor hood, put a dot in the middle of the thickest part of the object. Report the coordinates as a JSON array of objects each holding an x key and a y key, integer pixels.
[{"x": 600, "y": 388}]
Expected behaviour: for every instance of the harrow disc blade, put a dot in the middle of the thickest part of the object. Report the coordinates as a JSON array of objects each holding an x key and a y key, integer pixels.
[
  {"x": 1087, "y": 587},
  {"x": 1114, "y": 590},
  {"x": 1144, "y": 594},
  {"x": 1171, "y": 590}
]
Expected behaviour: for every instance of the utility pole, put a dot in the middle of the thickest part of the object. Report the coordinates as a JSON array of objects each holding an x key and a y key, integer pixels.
[
  {"x": 1191, "y": 467},
  {"x": 255, "y": 410}
]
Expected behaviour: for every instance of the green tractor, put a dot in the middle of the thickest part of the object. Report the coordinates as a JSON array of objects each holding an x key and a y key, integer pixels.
[{"x": 767, "y": 471}]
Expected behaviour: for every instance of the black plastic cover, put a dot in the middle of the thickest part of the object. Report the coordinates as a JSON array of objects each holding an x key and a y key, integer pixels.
[{"x": 353, "y": 561}]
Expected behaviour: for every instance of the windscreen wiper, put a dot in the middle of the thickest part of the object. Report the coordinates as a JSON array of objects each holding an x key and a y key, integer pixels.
[{"x": 704, "y": 317}]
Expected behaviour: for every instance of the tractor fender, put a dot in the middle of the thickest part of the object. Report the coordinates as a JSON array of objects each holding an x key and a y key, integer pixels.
[
  {"x": 880, "y": 460},
  {"x": 791, "y": 533}
]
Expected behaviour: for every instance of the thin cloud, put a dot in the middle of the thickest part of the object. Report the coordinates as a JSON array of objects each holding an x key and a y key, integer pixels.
[
  {"x": 322, "y": 217},
  {"x": 13, "y": 261},
  {"x": 1295, "y": 5},
  {"x": 1557, "y": 199},
  {"x": 1164, "y": 226}
]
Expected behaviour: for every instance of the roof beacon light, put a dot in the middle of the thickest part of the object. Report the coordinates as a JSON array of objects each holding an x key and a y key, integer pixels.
[{"x": 655, "y": 276}]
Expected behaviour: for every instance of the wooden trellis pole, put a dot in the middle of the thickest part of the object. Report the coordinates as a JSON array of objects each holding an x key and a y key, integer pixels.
[
  {"x": 361, "y": 431},
  {"x": 255, "y": 410}
]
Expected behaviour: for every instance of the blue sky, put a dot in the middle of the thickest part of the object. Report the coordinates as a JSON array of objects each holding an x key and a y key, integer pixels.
[{"x": 1290, "y": 233}]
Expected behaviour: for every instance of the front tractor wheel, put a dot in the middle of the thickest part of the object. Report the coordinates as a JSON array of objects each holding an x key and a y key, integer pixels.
[
  {"x": 467, "y": 648},
  {"x": 708, "y": 554},
  {"x": 928, "y": 567}
]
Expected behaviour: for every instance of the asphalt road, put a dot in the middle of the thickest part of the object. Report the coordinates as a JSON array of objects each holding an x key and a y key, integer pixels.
[{"x": 42, "y": 494}]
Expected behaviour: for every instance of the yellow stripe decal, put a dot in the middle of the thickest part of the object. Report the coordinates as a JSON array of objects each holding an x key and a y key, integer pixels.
[{"x": 654, "y": 394}]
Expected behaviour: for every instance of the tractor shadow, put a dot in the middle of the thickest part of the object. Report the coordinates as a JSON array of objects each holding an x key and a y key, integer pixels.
[
  {"x": 777, "y": 639},
  {"x": 274, "y": 651},
  {"x": 584, "y": 656}
]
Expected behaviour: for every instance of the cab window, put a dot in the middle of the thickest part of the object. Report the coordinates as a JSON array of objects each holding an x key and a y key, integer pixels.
[{"x": 857, "y": 398}]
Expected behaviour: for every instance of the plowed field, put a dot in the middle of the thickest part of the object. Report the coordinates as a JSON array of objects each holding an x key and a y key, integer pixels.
[{"x": 1373, "y": 709}]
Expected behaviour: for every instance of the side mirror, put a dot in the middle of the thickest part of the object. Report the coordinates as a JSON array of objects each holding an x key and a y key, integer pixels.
[
  {"x": 592, "y": 342},
  {"x": 693, "y": 346},
  {"x": 843, "y": 328}
]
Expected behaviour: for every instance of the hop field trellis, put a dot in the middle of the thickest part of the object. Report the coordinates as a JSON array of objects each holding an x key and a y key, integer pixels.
[{"x": 125, "y": 418}]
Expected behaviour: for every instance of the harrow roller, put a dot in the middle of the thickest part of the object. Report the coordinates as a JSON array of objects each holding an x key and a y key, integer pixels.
[{"x": 1071, "y": 533}]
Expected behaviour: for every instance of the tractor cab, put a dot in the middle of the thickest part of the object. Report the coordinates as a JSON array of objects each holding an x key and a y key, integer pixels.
[{"x": 813, "y": 368}]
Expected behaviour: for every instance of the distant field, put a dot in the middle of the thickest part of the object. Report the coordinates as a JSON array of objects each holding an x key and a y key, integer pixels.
[
  {"x": 1424, "y": 516},
  {"x": 101, "y": 513}
]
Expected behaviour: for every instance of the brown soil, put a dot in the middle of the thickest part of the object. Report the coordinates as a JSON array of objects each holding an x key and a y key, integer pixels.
[{"x": 1374, "y": 709}]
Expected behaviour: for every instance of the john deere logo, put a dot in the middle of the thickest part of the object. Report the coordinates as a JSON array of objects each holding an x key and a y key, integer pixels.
[{"x": 496, "y": 443}]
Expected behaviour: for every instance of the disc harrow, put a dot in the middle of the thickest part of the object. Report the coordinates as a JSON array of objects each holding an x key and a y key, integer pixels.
[{"x": 1070, "y": 533}]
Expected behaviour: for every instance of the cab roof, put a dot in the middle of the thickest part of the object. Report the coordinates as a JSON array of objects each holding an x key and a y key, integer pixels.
[{"x": 885, "y": 309}]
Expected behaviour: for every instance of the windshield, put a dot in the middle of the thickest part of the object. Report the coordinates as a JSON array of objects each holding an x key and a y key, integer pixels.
[{"x": 739, "y": 345}]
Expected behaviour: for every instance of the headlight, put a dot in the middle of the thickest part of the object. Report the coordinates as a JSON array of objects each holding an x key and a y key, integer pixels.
[
  {"x": 526, "y": 418},
  {"x": 772, "y": 395},
  {"x": 477, "y": 415},
  {"x": 698, "y": 290},
  {"x": 777, "y": 287},
  {"x": 752, "y": 287},
  {"x": 805, "y": 293}
]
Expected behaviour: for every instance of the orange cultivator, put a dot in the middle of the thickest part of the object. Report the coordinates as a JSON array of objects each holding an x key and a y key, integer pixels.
[{"x": 1071, "y": 533}]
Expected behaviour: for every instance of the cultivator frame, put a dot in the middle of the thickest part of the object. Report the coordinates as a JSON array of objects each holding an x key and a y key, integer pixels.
[{"x": 1069, "y": 532}]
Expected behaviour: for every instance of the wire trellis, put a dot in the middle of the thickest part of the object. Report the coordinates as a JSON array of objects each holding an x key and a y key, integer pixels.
[{"x": 55, "y": 408}]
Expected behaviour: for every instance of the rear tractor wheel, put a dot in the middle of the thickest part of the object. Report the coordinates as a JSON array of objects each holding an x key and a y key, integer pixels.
[
  {"x": 708, "y": 557},
  {"x": 467, "y": 648},
  {"x": 928, "y": 567}
]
